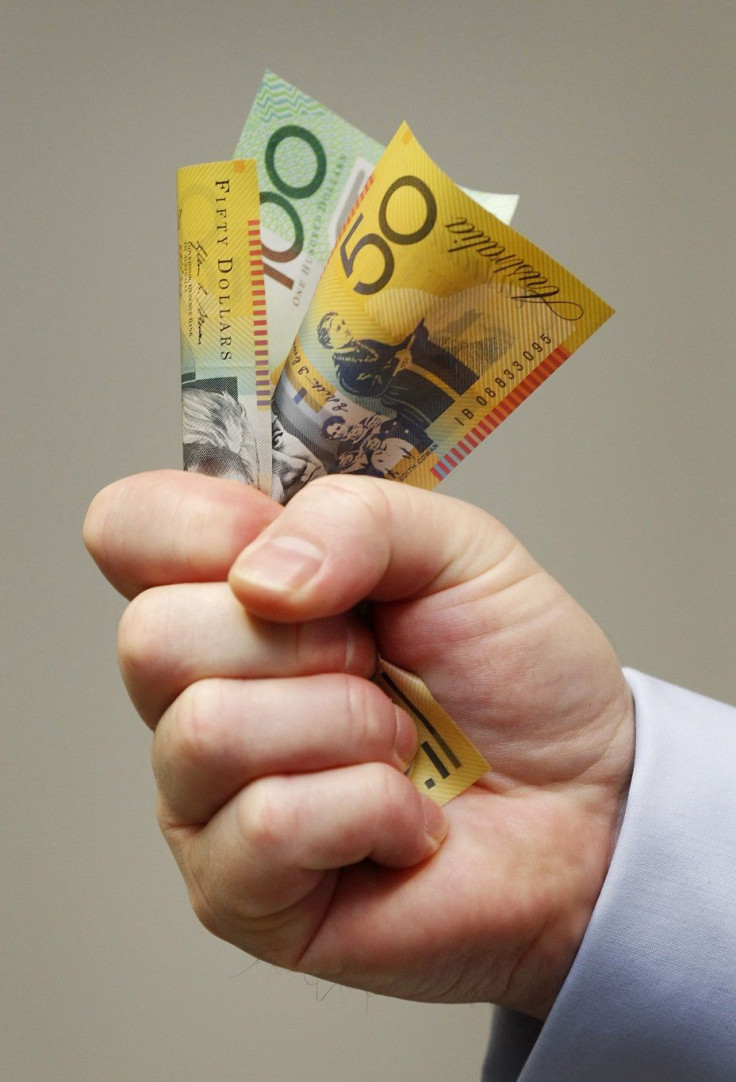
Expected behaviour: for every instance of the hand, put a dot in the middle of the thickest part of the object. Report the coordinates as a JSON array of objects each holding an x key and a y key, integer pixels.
[{"x": 279, "y": 765}]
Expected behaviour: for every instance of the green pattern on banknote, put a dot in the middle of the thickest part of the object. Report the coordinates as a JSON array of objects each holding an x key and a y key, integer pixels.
[
  {"x": 312, "y": 166},
  {"x": 432, "y": 321}
]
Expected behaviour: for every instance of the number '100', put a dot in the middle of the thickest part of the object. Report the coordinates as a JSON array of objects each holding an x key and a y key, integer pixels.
[
  {"x": 286, "y": 191},
  {"x": 380, "y": 240}
]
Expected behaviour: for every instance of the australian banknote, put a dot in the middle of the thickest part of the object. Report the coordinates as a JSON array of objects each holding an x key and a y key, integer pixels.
[
  {"x": 447, "y": 762},
  {"x": 431, "y": 323},
  {"x": 225, "y": 386},
  {"x": 312, "y": 166}
]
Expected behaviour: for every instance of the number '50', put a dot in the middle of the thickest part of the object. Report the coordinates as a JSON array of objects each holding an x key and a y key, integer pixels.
[{"x": 348, "y": 255}]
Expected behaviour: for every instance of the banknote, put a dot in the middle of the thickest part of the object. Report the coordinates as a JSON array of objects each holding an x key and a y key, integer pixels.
[
  {"x": 431, "y": 323},
  {"x": 226, "y": 405},
  {"x": 312, "y": 166},
  {"x": 447, "y": 763}
]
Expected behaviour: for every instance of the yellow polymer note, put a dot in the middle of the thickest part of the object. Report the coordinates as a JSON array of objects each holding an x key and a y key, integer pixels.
[
  {"x": 447, "y": 763},
  {"x": 431, "y": 323},
  {"x": 226, "y": 400}
]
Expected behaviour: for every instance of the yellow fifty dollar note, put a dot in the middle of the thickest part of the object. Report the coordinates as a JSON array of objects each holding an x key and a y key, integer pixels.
[
  {"x": 226, "y": 401},
  {"x": 447, "y": 763},
  {"x": 431, "y": 323}
]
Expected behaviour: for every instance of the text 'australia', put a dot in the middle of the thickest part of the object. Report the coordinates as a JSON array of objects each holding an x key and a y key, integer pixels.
[{"x": 534, "y": 286}]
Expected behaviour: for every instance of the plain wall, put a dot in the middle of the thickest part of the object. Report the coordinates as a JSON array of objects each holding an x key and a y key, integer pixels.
[{"x": 616, "y": 124}]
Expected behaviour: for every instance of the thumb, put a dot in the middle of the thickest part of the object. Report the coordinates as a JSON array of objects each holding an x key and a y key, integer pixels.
[{"x": 344, "y": 539}]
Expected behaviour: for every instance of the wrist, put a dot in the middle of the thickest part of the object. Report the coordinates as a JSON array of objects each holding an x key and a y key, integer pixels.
[{"x": 584, "y": 833}]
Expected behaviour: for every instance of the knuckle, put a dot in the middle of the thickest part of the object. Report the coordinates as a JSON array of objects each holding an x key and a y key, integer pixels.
[
  {"x": 265, "y": 818},
  {"x": 205, "y": 901},
  {"x": 369, "y": 715},
  {"x": 202, "y": 888},
  {"x": 196, "y": 732},
  {"x": 165, "y": 820},
  {"x": 317, "y": 645},
  {"x": 388, "y": 793},
  {"x": 381, "y": 790},
  {"x": 363, "y": 503},
  {"x": 363, "y": 499},
  {"x": 334, "y": 644},
  {"x": 141, "y": 635},
  {"x": 213, "y": 896}
]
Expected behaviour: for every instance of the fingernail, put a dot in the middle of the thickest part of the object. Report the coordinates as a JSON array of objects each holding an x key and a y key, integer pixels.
[
  {"x": 435, "y": 821},
  {"x": 279, "y": 564},
  {"x": 406, "y": 740}
]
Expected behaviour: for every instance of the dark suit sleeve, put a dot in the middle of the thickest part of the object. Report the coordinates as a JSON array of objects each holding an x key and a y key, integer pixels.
[{"x": 651, "y": 996}]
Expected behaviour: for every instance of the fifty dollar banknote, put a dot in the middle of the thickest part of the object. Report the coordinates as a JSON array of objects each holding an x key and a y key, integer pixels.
[
  {"x": 226, "y": 406},
  {"x": 432, "y": 322}
]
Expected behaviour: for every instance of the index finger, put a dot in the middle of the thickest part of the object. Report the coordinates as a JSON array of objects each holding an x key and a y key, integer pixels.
[{"x": 169, "y": 526}]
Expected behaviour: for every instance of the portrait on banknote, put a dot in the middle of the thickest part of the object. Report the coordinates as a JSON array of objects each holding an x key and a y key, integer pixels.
[
  {"x": 218, "y": 436},
  {"x": 340, "y": 435},
  {"x": 369, "y": 446},
  {"x": 293, "y": 465}
]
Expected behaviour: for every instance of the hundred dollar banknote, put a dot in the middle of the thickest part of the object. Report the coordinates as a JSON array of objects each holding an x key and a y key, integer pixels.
[
  {"x": 226, "y": 404},
  {"x": 312, "y": 166},
  {"x": 431, "y": 323}
]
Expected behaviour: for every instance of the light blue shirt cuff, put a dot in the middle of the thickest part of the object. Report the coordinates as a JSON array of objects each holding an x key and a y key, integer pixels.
[{"x": 651, "y": 996}]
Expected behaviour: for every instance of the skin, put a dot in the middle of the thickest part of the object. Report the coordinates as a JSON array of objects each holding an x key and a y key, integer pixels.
[{"x": 279, "y": 764}]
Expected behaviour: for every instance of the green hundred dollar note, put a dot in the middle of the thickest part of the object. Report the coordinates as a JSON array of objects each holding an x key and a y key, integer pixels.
[
  {"x": 431, "y": 323},
  {"x": 225, "y": 386},
  {"x": 312, "y": 166}
]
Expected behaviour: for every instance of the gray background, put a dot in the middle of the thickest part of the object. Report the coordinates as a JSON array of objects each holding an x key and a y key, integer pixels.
[{"x": 615, "y": 122}]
